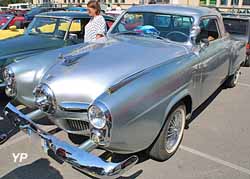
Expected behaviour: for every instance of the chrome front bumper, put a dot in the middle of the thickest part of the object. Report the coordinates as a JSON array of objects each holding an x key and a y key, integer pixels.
[
  {"x": 77, "y": 157},
  {"x": 2, "y": 85}
]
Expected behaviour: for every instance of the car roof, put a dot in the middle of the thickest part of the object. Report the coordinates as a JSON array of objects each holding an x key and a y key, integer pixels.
[
  {"x": 70, "y": 14},
  {"x": 73, "y": 14},
  {"x": 175, "y": 9},
  {"x": 235, "y": 16}
]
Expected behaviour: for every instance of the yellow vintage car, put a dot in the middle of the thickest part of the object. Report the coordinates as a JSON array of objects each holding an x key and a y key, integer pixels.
[
  {"x": 10, "y": 26},
  {"x": 4, "y": 34},
  {"x": 12, "y": 31}
]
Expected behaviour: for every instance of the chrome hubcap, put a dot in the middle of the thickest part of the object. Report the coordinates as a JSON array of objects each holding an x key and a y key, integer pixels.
[
  {"x": 236, "y": 77},
  {"x": 175, "y": 130}
]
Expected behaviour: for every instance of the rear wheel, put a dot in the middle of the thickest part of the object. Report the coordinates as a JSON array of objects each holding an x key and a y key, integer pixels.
[
  {"x": 247, "y": 62},
  {"x": 171, "y": 135}
]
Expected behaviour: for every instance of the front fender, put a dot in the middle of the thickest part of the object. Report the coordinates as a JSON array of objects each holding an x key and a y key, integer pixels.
[{"x": 139, "y": 109}]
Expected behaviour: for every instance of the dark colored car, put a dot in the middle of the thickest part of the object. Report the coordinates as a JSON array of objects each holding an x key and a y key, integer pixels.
[
  {"x": 80, "y": 9},
  {"x": 38, "y": 10},
  {"x": 239, "y": 27},
  {"x": 47, "y": 31}
]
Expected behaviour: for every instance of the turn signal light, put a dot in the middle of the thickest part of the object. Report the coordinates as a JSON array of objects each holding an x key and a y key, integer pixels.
[
  {"x": 248, "y": 49},
  {"x": 248, "y": 46}
]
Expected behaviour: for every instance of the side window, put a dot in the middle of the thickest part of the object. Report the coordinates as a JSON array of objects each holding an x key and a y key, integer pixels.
[
  {"x": 209, "y": 30},
  {"x": 109, "y": 24},
  {"x": 77, "y": 27},
  {"x": 162, "y": 21}
]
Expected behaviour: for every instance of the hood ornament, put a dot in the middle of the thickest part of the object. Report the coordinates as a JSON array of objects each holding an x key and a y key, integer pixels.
[{"x": 74, "y": 56}]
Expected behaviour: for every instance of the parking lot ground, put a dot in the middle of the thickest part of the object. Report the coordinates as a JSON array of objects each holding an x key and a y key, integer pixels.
[{"x": 216, "y": 146}]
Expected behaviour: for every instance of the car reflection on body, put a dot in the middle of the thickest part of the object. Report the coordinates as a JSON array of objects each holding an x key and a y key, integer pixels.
[{"x": 47, "y": 31}]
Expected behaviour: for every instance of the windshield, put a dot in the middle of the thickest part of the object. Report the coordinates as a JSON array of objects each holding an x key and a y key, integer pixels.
[
  {"x": 4, "y": 21},
  {"x": 33, "y": 11},
  {"x": 52, "y": 27},
  {"x": 172, "y": 27},
  {"x": 236, "y": 26}
]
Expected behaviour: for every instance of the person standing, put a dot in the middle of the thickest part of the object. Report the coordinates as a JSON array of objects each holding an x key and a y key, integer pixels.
[
  {"x": 96, "y": 27},
  {"x": 118, "y": 8}
]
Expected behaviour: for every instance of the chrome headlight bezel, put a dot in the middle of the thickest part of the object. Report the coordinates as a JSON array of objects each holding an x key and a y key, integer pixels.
[
  {"x": 45, "y": 99},
  {"x": 10, "y": 81},
  {"x": 100, "y": 120},
  {"x": 99, "y": 115}
]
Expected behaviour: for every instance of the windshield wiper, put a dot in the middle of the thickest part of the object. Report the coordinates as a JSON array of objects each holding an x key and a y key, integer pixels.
[
  {"x": 143, "y": 34},
  {"x": 159, "y": 37}
]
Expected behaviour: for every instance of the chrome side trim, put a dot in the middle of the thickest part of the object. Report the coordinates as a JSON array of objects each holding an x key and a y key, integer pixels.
[
  {"x": 77, "y": 157},
  {"x": 74, "y": 107}
]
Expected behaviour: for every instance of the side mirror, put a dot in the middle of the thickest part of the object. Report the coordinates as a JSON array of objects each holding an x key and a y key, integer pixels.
[
  {"x": 195, "y": 31},
  {"x": 12, "y": 28},
  {"x": 73, "y": 37},
  {"x": 204, "y": 43}
]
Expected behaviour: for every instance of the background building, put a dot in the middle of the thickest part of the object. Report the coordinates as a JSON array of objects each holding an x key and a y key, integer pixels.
[{"x": 127, "y": 3}]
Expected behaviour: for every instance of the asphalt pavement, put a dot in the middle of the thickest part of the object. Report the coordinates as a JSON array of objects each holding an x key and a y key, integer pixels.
[{"x": 215, "y": 145}]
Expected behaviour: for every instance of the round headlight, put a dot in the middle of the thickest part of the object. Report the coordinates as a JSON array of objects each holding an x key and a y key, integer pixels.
[
  {"x": 9, "y": 78},
  {"x": 44, "y": 98},
  {"x": 98, "y": 116}
]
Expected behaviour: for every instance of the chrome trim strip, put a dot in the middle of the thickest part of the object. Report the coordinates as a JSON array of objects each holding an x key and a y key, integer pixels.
[
  {"x": 77, "y": 157},
  {"x": 74, "y": 107}
]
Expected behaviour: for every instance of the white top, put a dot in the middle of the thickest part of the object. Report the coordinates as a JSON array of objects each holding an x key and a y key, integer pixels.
[
  {"x": 118, "y": 8},
  {"x": 95, "y": 26}
]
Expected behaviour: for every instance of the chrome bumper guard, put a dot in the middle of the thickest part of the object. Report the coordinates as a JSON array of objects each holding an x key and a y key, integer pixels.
[{"x": 78, "y": 157}]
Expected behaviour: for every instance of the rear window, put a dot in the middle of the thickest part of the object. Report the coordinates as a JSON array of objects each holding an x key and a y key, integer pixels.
[{"x": 236, "y": 26}]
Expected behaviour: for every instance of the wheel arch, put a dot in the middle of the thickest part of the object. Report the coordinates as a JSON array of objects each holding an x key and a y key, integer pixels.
[{"x": 183, "y": 97}]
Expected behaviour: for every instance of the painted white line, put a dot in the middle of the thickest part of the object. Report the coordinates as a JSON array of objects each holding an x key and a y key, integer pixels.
[
  {"x": 12, "y": 142},
  {"x": 244, "y": 84},
  {"x": 1, "y": 118},
  {"x": 215, "y": 159}
]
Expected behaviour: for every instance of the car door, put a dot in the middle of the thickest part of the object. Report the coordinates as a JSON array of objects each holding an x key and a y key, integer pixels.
[{"x": 214, "y": 56}]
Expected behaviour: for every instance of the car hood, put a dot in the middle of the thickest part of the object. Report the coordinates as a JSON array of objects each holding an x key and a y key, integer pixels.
[
  {"x": 97, "y": 67},
  {"x": 27, "y": 44},
  {"x": 29, "y": 71}
]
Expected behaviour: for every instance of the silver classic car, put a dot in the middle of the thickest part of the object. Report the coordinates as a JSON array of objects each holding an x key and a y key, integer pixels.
[
  {"x": 135, "y": 90},
  {"x": 47, "y": 31}
]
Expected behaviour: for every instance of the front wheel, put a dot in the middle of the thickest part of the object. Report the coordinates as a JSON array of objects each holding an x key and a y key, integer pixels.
[{"x": 171, "y": 135}]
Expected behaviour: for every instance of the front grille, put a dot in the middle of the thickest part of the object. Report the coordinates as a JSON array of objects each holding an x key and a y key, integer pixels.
[{"x": 78, "y": 125}]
